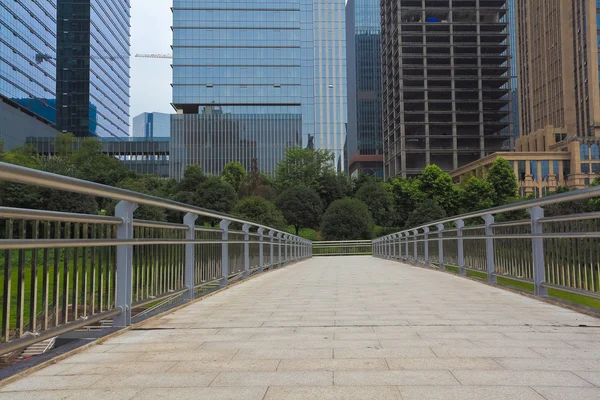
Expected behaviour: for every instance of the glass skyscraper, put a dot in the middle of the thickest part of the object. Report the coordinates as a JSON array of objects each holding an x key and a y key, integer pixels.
[
  {"x": 365, "y": 135},
  {"x": 65, "y": 62},
  {"x": 257, "y": 76},
  {"x": 152, "y": 125}
]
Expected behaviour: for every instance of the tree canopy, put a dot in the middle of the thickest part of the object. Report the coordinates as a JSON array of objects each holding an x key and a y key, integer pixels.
[
  {"x": 502, "y": 178},
  {"x": 234, "y": 174},
  {"x": 301, "y": 207},
  {"x": 379, "y": 199},
  {"x": 347, "y": 219},
  {"x": 259, "y": 210},
  {"x": 427, "y": 211},
  {"x": 303, "y": 167}
]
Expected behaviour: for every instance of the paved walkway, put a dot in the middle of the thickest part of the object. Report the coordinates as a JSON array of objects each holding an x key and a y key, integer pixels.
[{"x": 341, "y": 328}]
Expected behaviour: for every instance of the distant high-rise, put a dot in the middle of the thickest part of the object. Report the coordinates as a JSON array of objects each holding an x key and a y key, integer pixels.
[
  {"x": 559, "y": 96},
  {"x": 152, "y": 125},
  {"x": 64, "y": 64},
  {"x": 92, "y": 82},
  {"x": 446, "y": 85},
  {"x": 363, "y": 41},
  {"x": 251, "y": 78}
]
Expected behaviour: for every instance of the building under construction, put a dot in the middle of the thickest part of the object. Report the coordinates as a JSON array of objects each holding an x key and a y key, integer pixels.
[{"x": 446, "y": 87}]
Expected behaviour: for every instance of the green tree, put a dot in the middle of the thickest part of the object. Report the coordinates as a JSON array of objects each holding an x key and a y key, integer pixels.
[
  {"x": 427, "y": 211},
  {"x": 216, "y": 195},
  {"x": 362, "y": 180},
  {"x": 301, "y": 207},
  {"x": 437, "y": 185},
  {"x": 147, "y": 184},
  {"x": 234, "y": 174},
  {"x": 333, "y": 187},
  {"x": 406, "y": 196},
  {"x": 57, "y": 200},
  {"x": 185, "y": 191},
  {"x": 347, "y": 219},
  {"x": 594, "y": 204},
  {"x": 478, "y": 194},
  {"x": 378, "y": 198},
  {"x": 502, "y": 178},
  {"x": 303, "y": 167},
  {"x": 259, "y": 210}
]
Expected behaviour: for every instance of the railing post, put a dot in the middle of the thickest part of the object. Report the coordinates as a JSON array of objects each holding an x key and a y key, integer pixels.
[
  {"x": 124, "y": 277},
  {"x": 537, "y": 247},
  {"x": 415, "y": 245},
  {"x": 272, "y": 258},
  {"x": 489, "y": 248},
  {"x": 190, "y": 280},
  {"x": 246, "y": 230},
  {"x": 280, "y": 263},
  {"x": 440, "y": 229},
  {"x": 426, "y": 245},
  {"x": 286, "y": 245},
  {"x": 399, "y": 247},
  {"x": 261, "y": 256},
  {"x": 460, "y": 224},
  {"x": 224, "y": 225},
  {"x": 406, "y": 235}
]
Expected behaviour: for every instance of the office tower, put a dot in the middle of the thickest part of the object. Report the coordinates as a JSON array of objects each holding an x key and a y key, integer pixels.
[
  {"x": 152, "y": 125},
  {"x": 559, "y": 97},
  {"x": 514, "y": 70},
  {"x": 27, "y": 88},
  {"x": 363, "y": 43},
  {"x": 92, "y": 63},
  {"x": 251, "y": 78},
  {"x": 445, "y": 80},
  {"x": 64, "y": 65}
]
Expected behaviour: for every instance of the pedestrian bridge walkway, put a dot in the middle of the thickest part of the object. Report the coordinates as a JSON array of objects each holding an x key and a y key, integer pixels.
[{"x": 341, "y": 328}]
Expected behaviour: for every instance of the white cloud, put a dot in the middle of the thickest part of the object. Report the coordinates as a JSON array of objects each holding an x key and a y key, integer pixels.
[{"x": 151, "y": 77}]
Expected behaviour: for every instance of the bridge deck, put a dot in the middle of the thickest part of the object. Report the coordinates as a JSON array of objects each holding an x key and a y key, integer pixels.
[{"x": 341, "y": 328}]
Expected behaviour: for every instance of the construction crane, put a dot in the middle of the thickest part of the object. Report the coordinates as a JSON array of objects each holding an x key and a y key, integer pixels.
[
  {"x": 154, "y": 56},
  {"x": 40, "y": 57}
]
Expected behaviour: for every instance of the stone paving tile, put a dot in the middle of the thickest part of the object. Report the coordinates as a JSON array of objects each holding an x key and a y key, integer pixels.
[
  {"x": 469, "y": 393},
  {"x": 51, "y": 383},
  {"x": 333, "y": 393},
  {"x": 592, "y": 377},
  {"x": 279, "y": 378},
  {"x": 164, "y": 380},
  {"x": 269, "y": 353},
  {"x": 568, "y": 393},
  {"x": 553, "y": 364},
  {"x": 399, "y": 378},
  {"x": 358, "y": 364},
  {"x": 74, "y": 394},
  {"x": 486, "y": 352},
  {"x": 226, "y": 366},
  {"x": 384, "y": 353},
  {"x": 443, "y": 364},
  {"x": 212, "y": 393},
  {"x": 213, "y": 355},
  {"x": 568, "y": 353},
  {"x": 148, "y": 347},
  {"x": 426, "y": 343},
  {"x": 519, "y": 378}
]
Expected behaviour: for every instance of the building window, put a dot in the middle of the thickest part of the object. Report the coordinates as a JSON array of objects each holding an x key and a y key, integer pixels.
[
  {"x": 585, "y": 168},
  {"x": 595, "y": 152},
  {"x": 584, "y": 152}
]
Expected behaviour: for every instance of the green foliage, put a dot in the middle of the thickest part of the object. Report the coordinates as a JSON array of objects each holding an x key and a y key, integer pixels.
[
  {"x": 427, "y": 211},
  {"x": 333, "y": 187},
  {"x": 347, "y": 219},
  {"x": 513, "y": 215},
  {"x": 259, "y": 210},
  {"x": 406, "y": 197},
  {"x": 147, "y": 184},
  {"x": 301, "y": 207},
  {"x": 306, "y": 233},
  {"x": 378, "y": 198},
  {"x": 303, "y": 167},
  {"x": 435, "y": 184},
  {"x": 234, "y": 174},
  {"x": 503, "y": 180},
  {"x": 216, "y": 195},
  {"x": 185, "y": 191},
  {"x": 594, "y": 204},
  {"x": 478, "y": 194}
]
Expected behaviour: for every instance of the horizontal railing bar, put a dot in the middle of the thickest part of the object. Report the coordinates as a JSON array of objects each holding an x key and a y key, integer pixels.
[
  {"x": 28, "y": 176},
  {"x": 510, "y": 223},
  {"x": 207, "y": 229},
  {"x": 207, "y": 283},
  {"x": 580, "y": 292},
  {"x": 156, "y": 224},
  {"x": 514, "y": 278},
  {"x": 557, "y": 235},
  {"x": 158, "y": 298},
  {"x": 24, "y": 342},
  {"x": 56, "y": 216},
  {"x": 343, "y": 241},
  {"x": 571, "y": 217}
]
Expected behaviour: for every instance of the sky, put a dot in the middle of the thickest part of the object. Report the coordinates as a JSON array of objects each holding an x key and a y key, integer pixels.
[{"x": 150, "y": 77}]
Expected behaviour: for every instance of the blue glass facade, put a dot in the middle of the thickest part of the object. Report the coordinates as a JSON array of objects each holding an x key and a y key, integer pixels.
[
  {"x": 67, "y": 63},
  {"x": 264, "y": 60},
  {"x": 28, "y": 30},
  {"x": 514, "y": 83},
  {"x": 152, "y": 125},
  {"x": 365, "y": 135},
  {"x": 93, "y": 67}
]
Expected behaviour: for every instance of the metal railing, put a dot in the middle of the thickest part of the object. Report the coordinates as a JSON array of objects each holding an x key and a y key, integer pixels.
[
  {"x": 537, "y": 254},
  {"x": 343, "y": 248},
  {"x": 62, "y": 271}
]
